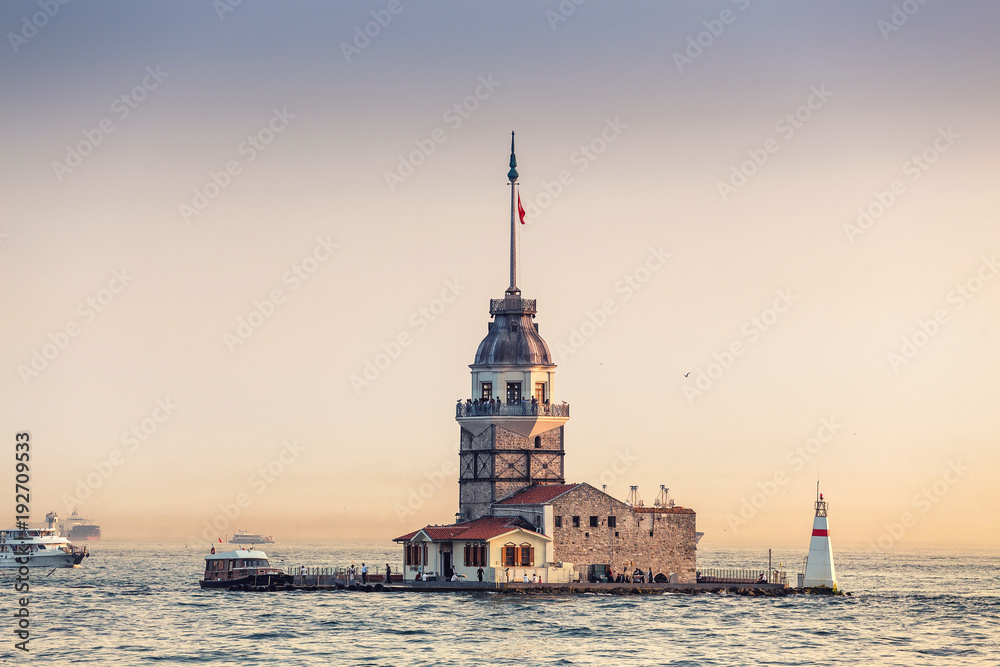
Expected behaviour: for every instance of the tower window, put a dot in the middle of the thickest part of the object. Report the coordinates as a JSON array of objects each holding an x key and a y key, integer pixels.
[
  {"x": 513, "y": 392},
  {"x": 538, "y": 442},
  {"x": 612, "y": 522},
  {"x": 540, "y": 392},
  {"x": 593, "y": 522},
  {"x": 576, "y": 522},
  {"x": 486, "y": 390},
  {"x": 558, "y": 522}
]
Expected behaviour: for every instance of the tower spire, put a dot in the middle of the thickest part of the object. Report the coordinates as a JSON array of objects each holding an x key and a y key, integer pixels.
[{"x": 513, "y": 290}]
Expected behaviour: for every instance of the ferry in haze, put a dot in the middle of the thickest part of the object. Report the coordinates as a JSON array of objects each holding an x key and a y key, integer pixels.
[
  {"x": 80, "y": 528},
  {"x": 243, "y": 537}
]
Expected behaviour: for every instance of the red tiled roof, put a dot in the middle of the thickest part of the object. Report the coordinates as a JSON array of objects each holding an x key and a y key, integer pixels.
[
  {"x": 538, "y": 494},
  {"x": 480, "y": 529}
]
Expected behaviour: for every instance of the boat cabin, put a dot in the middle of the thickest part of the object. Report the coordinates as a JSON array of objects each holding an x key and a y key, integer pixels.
[{"x": 238, "y": 566}]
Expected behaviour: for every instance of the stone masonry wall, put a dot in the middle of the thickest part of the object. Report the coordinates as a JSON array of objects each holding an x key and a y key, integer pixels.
[{"x": 669, "y": 550}]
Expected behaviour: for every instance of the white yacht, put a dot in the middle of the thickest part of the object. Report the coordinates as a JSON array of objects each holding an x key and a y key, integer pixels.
[{"x": 38, "y": 547}]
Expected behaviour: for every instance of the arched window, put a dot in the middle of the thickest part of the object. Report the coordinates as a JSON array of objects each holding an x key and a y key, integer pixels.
[{"x": 538, "y": 442}]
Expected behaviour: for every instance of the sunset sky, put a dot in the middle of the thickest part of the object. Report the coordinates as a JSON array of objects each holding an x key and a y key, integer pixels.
[{"x": 762, "y": 236}]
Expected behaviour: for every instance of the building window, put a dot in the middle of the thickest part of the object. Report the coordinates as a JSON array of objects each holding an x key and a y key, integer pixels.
[
  {"x": 538, "y": 442},
  {"x": 612, "y": 522},
  {"x": 540, "y": 392},
  {"x": 475, "y": 554},
  {"x": 513, "y": 392},
  {"x": 593, "y": 522},
  {"x": 486, "y": 390},
  {"x": 576, "y": 522},
  {"x": 558, "y": 522},
  {"x": 510, "y": 555},
  {"x": 527, "y": 555}
]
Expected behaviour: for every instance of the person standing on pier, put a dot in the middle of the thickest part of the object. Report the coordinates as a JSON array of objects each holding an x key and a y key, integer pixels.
[
  {"x": 480, "y": 574},
  {"x": 364, "y": 573},
  {"x": 388, "y": 573}
]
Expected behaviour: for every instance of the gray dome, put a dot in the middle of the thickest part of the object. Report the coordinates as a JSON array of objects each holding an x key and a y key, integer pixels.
[{"x": 513, "y": 338}]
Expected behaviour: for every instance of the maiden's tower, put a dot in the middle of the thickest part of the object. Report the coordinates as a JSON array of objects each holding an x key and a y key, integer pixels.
[{"x": 517, "y": 515}]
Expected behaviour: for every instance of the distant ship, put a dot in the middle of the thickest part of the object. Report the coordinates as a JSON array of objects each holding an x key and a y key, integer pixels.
[
  {"x": 243, "y": 537},
  {"x": 79, "y": 528}
]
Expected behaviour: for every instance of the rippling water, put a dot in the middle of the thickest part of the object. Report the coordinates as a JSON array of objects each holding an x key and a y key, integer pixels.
[{"x": 141, "y": 605}]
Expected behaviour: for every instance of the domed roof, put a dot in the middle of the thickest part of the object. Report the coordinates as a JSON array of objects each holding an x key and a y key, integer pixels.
[{"x": 513, "y": 338}]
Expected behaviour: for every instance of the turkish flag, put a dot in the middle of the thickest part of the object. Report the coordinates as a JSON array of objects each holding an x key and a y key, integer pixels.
[{"x": 520, "y": 209}]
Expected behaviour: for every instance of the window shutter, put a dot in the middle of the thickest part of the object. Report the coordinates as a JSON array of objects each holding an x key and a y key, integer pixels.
[
  {"x": 425, "y": 553},
  {"x": 466, "y": 561},
  {"x": 532, "y": 555}
]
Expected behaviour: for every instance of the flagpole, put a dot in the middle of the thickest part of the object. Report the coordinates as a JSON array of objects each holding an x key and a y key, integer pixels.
[{"x": 512, "y": 176}]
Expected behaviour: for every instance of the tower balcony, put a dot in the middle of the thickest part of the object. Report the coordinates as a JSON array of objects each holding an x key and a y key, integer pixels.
[
  {"x": 512, "y": 306},
  {"x": 527, "y": 419}
]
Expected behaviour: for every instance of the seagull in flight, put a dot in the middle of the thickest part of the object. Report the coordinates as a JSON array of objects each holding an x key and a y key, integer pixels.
[{"x": 688, "y": 373}]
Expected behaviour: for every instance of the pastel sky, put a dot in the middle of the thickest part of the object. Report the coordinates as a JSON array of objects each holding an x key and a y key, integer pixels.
[{"x": 763, "y": 240}]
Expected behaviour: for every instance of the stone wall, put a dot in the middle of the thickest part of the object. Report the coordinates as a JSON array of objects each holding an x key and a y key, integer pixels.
[
  {"x": 663, "y": 540},
  {"x": 479, "y": 474}
]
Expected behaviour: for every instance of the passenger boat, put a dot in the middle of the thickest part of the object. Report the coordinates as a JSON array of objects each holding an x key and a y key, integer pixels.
[
  {"x": 243, "y": 537},
  {"x": 42, "y": 547},
  {"x": 242, "y": 567}
]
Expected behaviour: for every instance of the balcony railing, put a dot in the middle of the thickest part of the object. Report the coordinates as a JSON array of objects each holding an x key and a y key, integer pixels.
[
  {"x": 512, "y": 305},
  {"x": 523, "y": 409}
]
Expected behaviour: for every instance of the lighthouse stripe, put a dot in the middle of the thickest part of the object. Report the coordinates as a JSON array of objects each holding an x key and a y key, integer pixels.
[{"x": 820, "y": 532}]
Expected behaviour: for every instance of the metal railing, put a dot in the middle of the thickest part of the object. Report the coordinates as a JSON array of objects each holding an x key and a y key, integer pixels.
[
  {"x": 732, "y": 576},
  {"x": 512, "y": 305},
  {"x": 330, "y": 575},
  {"x": 524, "y": 409}
]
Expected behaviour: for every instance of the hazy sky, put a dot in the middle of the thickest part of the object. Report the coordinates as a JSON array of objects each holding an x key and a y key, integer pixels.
[{"x": 216, "y": 214}]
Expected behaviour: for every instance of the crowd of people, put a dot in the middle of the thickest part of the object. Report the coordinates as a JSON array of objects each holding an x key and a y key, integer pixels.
[{"x": 494, "y": 406}]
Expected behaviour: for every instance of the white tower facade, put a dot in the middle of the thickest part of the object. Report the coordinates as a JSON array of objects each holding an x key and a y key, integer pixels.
[{"x": 820, "y": 572}]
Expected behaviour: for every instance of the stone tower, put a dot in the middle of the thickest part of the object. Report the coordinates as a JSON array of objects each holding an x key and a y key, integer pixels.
[{"x": 517, "y": 439}]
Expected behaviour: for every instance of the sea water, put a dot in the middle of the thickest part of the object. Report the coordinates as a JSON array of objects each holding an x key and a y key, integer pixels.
[{"x": 132, "y": 604}]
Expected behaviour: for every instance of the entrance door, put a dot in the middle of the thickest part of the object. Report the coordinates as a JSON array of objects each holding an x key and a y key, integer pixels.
[{"x": 446, "y": 565}]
